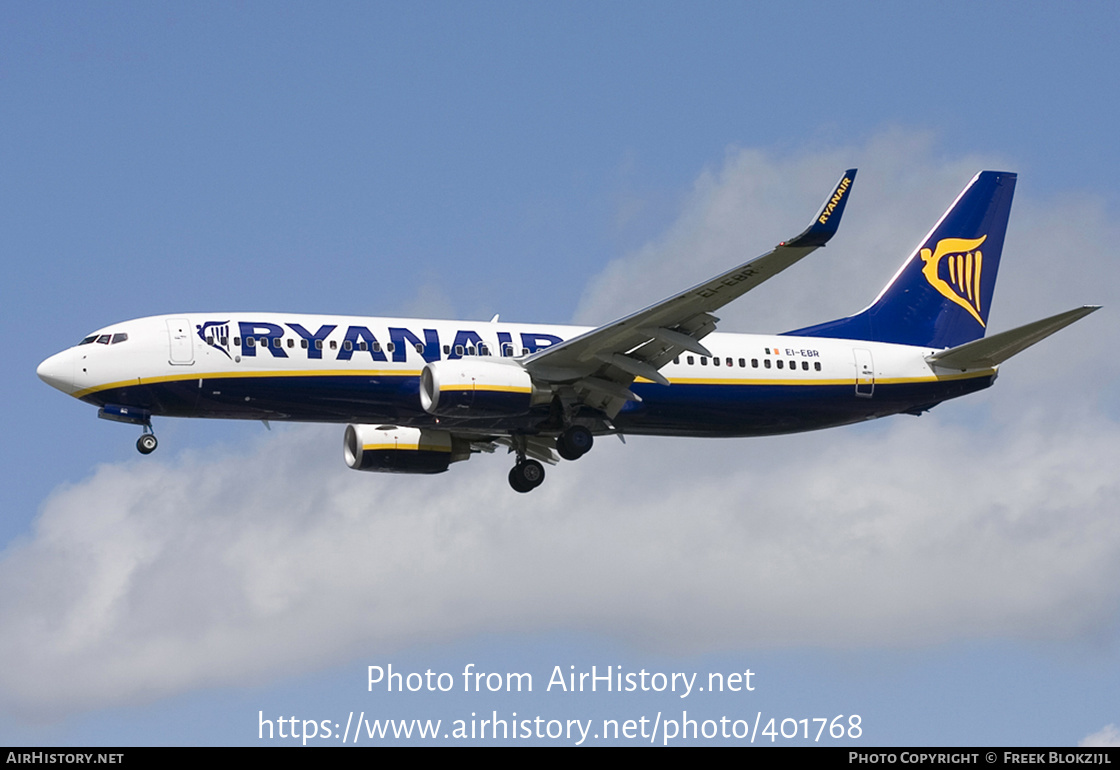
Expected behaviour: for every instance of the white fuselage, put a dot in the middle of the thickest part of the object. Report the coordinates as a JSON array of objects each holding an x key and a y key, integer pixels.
[{"x": 358, "y": 369}]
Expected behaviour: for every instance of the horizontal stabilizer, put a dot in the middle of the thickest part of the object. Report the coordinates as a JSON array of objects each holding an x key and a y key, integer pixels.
[{"x": 994, "y": 350}]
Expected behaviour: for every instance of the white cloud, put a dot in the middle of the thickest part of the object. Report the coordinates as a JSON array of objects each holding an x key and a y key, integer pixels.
[
  {"x": 989, "y": 517},
  {"x": 1106, "y": 736},
  {"x": 152, "y": 577},
  {"x": 430, "y": 301},
  {"x": 756, "y": 199}
]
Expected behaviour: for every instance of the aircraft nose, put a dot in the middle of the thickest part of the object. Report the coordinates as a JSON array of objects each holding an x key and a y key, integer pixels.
[{"x": 58, "y": 371}]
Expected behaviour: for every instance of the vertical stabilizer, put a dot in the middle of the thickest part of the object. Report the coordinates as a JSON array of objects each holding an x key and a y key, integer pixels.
[{"x": 941, "y": 296}]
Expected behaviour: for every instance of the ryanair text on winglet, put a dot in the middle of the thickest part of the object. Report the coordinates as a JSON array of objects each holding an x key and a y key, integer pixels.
[{"x": 834, "y": 201}]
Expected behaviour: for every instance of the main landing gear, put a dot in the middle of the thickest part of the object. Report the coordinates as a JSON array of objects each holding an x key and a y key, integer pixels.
[
  {"x": 573, "y": 443},
  {"x": 526, "y": 475}
]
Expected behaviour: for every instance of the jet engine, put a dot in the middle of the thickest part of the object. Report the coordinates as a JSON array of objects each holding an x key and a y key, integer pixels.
[
  {"x": 392, "y": 449},
  {"x": 472, "y": 387}
]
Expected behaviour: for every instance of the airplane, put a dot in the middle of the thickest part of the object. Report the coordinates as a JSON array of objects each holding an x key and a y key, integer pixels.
[{"x": 418, "y": 395}]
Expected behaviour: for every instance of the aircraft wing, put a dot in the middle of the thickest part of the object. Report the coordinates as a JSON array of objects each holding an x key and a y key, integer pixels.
[{"x": 600, "y": 365}]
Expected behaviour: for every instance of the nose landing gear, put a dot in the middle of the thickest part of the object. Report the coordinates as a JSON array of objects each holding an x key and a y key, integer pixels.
[
  {"x": 147, "y": 442},
  {"x": 133, "y": 415}
]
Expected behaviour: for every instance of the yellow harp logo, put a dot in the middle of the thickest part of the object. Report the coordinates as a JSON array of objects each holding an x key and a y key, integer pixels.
[{"x": 964, "y": 262}]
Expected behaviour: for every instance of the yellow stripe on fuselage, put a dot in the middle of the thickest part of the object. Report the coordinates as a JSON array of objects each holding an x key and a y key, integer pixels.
[
  {"x": 233, "y": 375},
  {"x": 821, "y": 381},
  {"x": 807, "y": 381}
]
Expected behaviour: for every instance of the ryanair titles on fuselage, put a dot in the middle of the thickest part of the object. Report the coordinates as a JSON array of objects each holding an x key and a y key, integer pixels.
[{"x": 267, "y": 336}]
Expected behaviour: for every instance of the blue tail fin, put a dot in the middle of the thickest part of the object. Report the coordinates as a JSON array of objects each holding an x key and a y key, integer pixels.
[{"x": 941, "y": 295}]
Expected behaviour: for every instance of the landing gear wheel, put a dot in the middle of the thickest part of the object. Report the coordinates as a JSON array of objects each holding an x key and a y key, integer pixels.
[
  {"x": 526, "y": 476},
  {"x": 574, "y": 442},
  {"x": 146, "y": 444}
]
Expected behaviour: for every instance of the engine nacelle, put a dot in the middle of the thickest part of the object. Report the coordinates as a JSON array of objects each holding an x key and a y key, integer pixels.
[
  {"x": 474, "y": 387},
  {"x": 391, "y": 449}
]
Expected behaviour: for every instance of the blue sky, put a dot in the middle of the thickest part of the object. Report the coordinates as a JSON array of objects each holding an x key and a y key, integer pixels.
[{"x": 951, "y": 579}]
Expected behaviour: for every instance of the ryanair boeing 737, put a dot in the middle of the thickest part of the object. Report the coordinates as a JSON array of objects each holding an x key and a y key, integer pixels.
[{"x": 418, "y": 395}]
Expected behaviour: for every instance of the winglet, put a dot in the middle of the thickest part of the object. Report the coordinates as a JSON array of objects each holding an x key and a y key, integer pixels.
[{"x": 827, "y": 221}]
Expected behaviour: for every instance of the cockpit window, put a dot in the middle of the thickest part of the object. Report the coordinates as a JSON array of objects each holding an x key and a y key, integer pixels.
[
  {"x": 104, "y": 339},
  {"x": 89, "y": 339},
  {"x": 119, "y": 337}
]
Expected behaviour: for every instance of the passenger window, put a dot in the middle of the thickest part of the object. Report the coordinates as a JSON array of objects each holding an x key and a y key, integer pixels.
[
  {"x": 447, "y": 350},
  {"x": 377, "y": 347},
  {"x": 470, "y": 351},
  {"x": 291, "y": 342},
  {"x": 390, "y": 347},
  {"x": 703, "y": 360},
  {"x": 237, "y": 341},
  {"x": 817, "y": 365},
  {"x": 754, "y": 363},
  {"x": 715, "y": 362},
  {"x": 766, "y": 363},
  {"x": 209, "y": 339},
  {"x": 691, "y": 360},
  {"x": 362, "y": 345},
  {"x": 319, "y": 344},
  {"x": 742, "y": 363},
  {"x": 250, "y": 342},
  {"x": 303, "y": 343},
  {"x": 506, "y": 351},
  {"x": 347, "y": 345},
  {"x": 334, "y": 344},
  {"x": 805, "y": 365},
  {"x": 677, "y": 360},
  {"x": 458, "y": 350},
  {"x": 779, "y": 362},
  {"x": 420, "y": 348}
]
